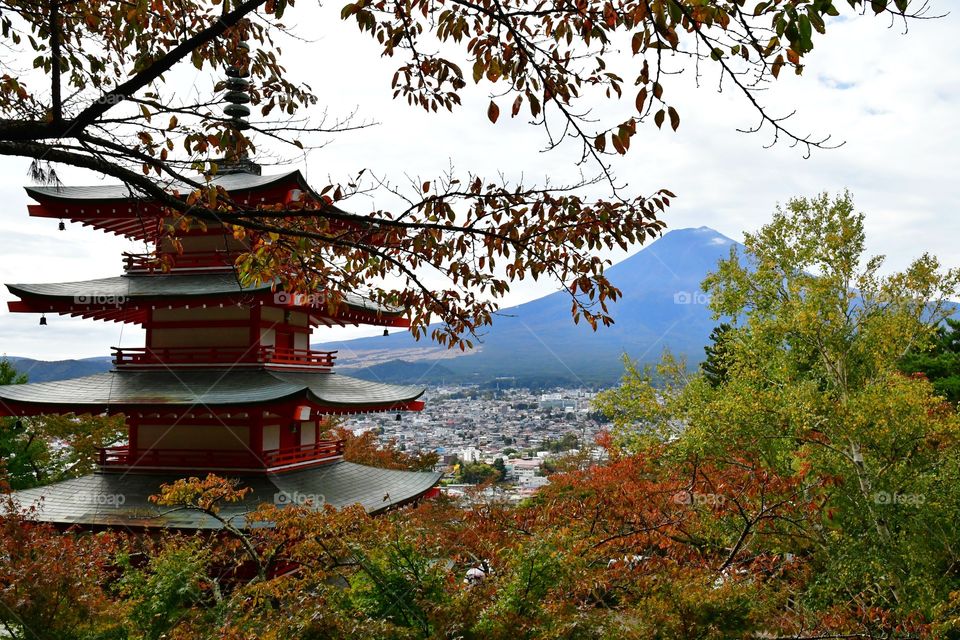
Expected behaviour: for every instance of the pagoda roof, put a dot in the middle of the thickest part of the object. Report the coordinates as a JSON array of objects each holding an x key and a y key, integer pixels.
[
  {"x": 140, "y": 286},
  {"x": 126, "y": 211},
  {"x": 119, "y": 297},
  {"x": 117, "y": 391},
  {"x": 122, "y": 499},
  {"x": 231, "y": 182}
]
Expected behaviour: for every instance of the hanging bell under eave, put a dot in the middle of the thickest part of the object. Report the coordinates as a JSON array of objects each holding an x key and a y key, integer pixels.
[
  {"x": 398, "y": 418},
  {"x": 62, "y": 226},
  {"x": 43, "y": 321},
  {"x": 386, "y": 332}
]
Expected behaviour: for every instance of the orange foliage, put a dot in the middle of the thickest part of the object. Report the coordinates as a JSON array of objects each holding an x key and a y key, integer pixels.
[{"x": 364, "y": 449}]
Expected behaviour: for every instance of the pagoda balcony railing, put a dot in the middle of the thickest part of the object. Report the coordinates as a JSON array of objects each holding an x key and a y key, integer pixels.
[
  {"x": 323, "y": 450},
  {"x": 200, "y": 459},
  {"x": 181, "y": 458},
  {"x": 193, "y": 261},
  {"x": 132, "y": 357}
]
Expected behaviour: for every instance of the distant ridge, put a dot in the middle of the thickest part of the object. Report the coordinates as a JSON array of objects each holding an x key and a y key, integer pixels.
[{"x": 47, "y": 370}]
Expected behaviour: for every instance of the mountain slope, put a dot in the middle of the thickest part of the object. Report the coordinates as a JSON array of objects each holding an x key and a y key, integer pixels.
[
  {"x": 47, "y": 370},
  {"x": 661, "y": 307}
]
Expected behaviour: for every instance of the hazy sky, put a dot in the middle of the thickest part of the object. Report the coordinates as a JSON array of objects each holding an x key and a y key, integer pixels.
[{"x": 893, "y": 98}]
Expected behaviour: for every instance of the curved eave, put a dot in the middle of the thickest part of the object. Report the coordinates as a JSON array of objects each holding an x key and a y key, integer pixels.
[
  {"x": 122, "y": 500},
  {"x": 22, "y": 409},
  {"x": 117, "y": 209},
  {"x": 234, "y": 182},
  {"x": 129, "y": 298},
  {"x": 136, "y": 312},
  {"x": 140, "y": 222},
  {"x": 139, "y": 287},
  {"x": 117, "y": 392}
]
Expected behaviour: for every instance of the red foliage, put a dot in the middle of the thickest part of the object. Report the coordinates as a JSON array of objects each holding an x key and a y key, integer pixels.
[{"x": 364, "y": 449}]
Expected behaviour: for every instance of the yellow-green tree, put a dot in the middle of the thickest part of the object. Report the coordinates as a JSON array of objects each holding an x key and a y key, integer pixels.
[{"x": 812, "y": 392}]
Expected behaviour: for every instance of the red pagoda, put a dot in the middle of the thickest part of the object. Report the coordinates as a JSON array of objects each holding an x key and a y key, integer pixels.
[{"x": 226, "y": 382}]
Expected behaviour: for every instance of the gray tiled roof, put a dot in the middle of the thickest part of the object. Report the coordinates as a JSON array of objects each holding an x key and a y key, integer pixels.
[
  {"x": 139, "y": 286},
  {"x": 230, "y": 182},
  {"x": 133, "y": 287},
  {"x": 212, "y": 387},
  {"x": 115, "y": 499}
]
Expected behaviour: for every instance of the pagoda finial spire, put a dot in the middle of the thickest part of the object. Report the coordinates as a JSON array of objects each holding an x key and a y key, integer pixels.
[{"x": 237, "y": 97}]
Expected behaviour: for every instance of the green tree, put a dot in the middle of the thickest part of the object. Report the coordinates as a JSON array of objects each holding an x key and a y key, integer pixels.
[
  {"x": 17, "y": 449},
  {"x": 398, "y": 583},
  {"x": 44, "y": 449},
  {"x": 714, "y": 366},
  {"x": 646, "y": 404},
  {"x": 501, "y": 468},
  {"x": 173, "y": 585},
  {"x": 565, "y": 442},
  {"x": 478, "y": 473},
  {"x": 941, "y": 363},
  {"x": 815, "y": 388}
]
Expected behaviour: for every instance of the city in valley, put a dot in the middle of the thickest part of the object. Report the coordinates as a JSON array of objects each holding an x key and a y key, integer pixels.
[{"x": 524, "y": 434}]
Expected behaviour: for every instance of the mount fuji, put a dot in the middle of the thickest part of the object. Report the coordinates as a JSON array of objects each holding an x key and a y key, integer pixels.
[{"x": 538, "y": 344}]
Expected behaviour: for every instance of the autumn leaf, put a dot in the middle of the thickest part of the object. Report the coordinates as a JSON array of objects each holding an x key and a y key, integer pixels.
[
  {"x": 618, "y": 144},
  {"x": 777, "y": 65},
  {"x": 674, "y": 118},
  {"x": 641, "y": 99},
  {"x": 493, "y": 111},
  {"x": 609, "y": 15}
]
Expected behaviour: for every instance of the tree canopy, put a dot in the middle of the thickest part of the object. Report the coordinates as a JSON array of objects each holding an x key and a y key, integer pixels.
[
  {"x": 855, "y": 462},
  {"x": 87, "y": 83}
]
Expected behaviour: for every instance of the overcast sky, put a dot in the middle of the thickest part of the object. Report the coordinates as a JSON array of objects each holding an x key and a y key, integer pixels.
[{"x": 893, "y": 98}]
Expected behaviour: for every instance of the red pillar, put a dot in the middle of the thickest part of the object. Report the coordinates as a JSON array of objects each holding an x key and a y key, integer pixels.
[
  {"x": 255, "y": 318},
  {"x": 256, "y": 433},
  {"x": 132, "y": 433}
]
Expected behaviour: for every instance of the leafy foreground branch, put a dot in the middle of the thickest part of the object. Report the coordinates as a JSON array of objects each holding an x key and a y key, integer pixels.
[{"x": 103, "y": 94}]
